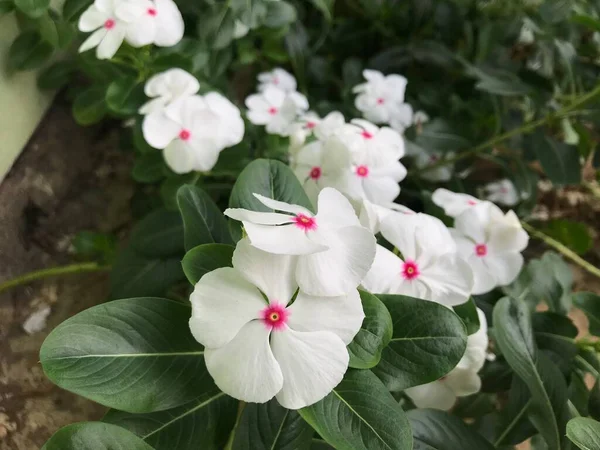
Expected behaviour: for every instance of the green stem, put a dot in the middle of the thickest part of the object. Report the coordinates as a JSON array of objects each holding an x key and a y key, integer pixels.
[
  {"x": 51, "y": 272},
  {"x": 567, "y": 252},
  {"x": 530, "y": 126},
  {"x": 241, "y": 407}
]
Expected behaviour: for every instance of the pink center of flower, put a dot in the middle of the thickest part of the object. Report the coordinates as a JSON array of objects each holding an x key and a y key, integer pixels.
[
  {"x": 310, "y": 125},
  {"x": 362, "y": 171},
  {"x": 306, "y": 223},
  {"x": 471, "y": 202},
  {"x": 315, "y": 173},
  {"x": 481, "y": 250},
  {"x": 434, "y": 158},
  {"x": 366, "y": 134},
  {"x": 380, "y": 101},
  {"x": 275, "y": 316},
  {"x": 275, "y": 81},
  {"x": 272, "y": 110},
  {"x": 410, "y": 270},
  {"x": 185, "y": 135},
  {"x": 151, "y": 12},
  {"x": 109, "y": 24}
]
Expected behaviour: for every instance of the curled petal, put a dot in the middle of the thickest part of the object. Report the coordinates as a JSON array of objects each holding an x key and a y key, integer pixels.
[
  {"x": 335, "y": 211},
  {"x": 436, "y": 394}
]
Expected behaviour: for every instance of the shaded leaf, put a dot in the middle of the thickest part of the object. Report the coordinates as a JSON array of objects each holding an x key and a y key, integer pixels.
[
  {"x": 206, "y": 258},
  {"x": 93, "y": 436}
]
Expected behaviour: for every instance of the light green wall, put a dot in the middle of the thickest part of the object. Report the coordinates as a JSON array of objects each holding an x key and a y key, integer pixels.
[{"x": 22, "y": 104}]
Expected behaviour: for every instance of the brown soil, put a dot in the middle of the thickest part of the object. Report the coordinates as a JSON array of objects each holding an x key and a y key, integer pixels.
[{"x": 67, "y": 180}]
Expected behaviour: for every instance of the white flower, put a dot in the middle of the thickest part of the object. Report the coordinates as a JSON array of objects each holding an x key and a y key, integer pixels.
[
  {"x": 402, "y": 118},
  {"x": 526, "y": 35},
  {"x": 320, "y": 164},
  {"x": 157, "y": 22},
  {"x": 311, "y": 124},
  {"x": 335, "y": 251},
  {"x": 167, "y": 88},
  {"x": 108, "y": 29},
  {"x": 420, "y": 118},
  {"x": 257, "y": 345},
  {"x": 439, "y": 173},
  {"x": 275, "y": 109},
  {"x": 279, "y": 78},
  {"x": 429, "y": 267},
  {"x": 503, "y": 192},
  {"x": 453, "y": 203},
  {"x": 382, "y": 143},
  {"x": 240, "y": 29},
  {"x": 381, "y": 98},
  {"x": 194, "y": 131},
  {"x": 490, "y": 241},
  {"x": 461, "y": 381},
  {"x": 371, "y": 215}
]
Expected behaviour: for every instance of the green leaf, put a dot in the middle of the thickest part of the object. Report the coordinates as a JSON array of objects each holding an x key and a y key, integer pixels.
[
  {"x": 206, "y": 258},
  {"x": 514, "y": 337},
  {"x": 326, "y": 7},
  {"x": 33, "y": 8},
  {"x": 149, "y": 168},
  {"x": 89, "y": 106},
  {"x": 589, "y": 303},
  {"x": 94, "y": 436},
  {"x": 440, "y": 135},
  {"x": 56, "y": 76},
  {"x": 28, "y": 51},
  {"x": 279, "y": 14},
  {"x": 427, "y": 343},
  {"x": 188, "y": 48},
  {"x": 269, "y": 426},
  {"x": 99, "y": 246},
  {"x": 135, "y": 355},
  {"x": 574, "y": 235},
  {"x": 513, "y": 425},
  {"x": 159, "y": 234},
  {"x": 135, "y": 275},
  {"x": 584, "y": 432},
  {"x": 208, "y": 420},
  {"x": 468, "y": 314},
  {"x": 216, "y": 26},
  {"x": 203, "y": 221},
  {"x": 360, "y": 414},
  {"x": 438, "y": 430},
  {"x": 559, "y": 160},
  {"x": 270, "y": 178},
  {"x": 72, "y": 9},
  {"x": 586, "y": 21},
  {"x": 125, "y": 96},
  {"x": 6, "y": 6},
  {"x": 553, "y": 323},
  {"x": 374, "y": 334}
]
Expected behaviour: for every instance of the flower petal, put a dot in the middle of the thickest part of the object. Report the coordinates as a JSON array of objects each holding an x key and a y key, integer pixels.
[
  {"x": 505, "y": 266},
  {"x": 385, "y": 268},
  {"x": 179, "y": 156},
  {"x": 282, "y": 240},
  {"x": 381, "y": 190},
  {"x": 142, "y": 31},
  {"x": 453, "y": 203},
  {"x": 257, "y": 217},
  {"x": 111, "y": 43},
  {"x": 91, "y": 19},
  {"x": 312, "y": 363},
  {"x": 170, "y": 26},
  {"x": 335, "y": 211},
  {"x": 222, "y": 303},
  {"x": 245, "y": 368},
  {"x": 484, "y": 278},
  {"x": 158, "y": 130},
  {"x": 282, "y": 206},
  {"x": 342, "y": 267},
  {"x": 450, "y": 280},
  {"x": 340, "y": 315},
  {"x": 432, "y": 395},
  {"x": 272, "y": 274},
  {"x": 463, "y": 382},
  {"x": 93, "y": 40}
]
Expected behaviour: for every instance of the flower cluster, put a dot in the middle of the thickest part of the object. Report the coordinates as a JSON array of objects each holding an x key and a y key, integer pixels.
[
  {"x": 192, "y": 129},
  {"x": 278, "y": 322},
  {"x": 138, "y": 22}
]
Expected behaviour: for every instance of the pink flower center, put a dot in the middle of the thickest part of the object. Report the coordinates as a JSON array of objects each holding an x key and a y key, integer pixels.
[
  {"x": 366, "y": 134},
  {"x": 109, "y": 24},
  {"x": 471, "y": 202},
  {"x": 504, "y": 190},
  {"x": 185, "y": 135},
  {"x": 410, "y": 270},
  {"x": 306, "y": 223},
  {"x": 272, "y": 110},
  {"x": 380, "y": 101},
  {"x": 315, "y": 173},
  {"x": 310, "y": 125},
  {"x": 362, "y": 171},
  {"x": 275, "y": 316},
  {"x": 434, "y": 158},
  {"x": 481, "y": 249},
  {"x": 275, "y": 81},
  {"x": 151, "y": 12}
]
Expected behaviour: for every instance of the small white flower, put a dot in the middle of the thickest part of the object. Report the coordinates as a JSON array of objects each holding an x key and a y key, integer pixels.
[
  {"x": 526, "y": 35},
  {"x": 167, "y": 88},
  {"x": 362, "y": 137},
  {"x": 157, "y": 22},
  {"x": 275, "y": 109},
  {"x": 463, "y": 380},
  {"x": 335, "y": 251},
  {"x": 108, "y": 29},
  {"x": 278, "y": 78},
  {"x": 420, "y": 118},
  {"x": 491, "y": 242},
  {"x": 453, "y": 203},
  {"x": 503, "y": 192},
  {"x": 438, "y": 174},
  {"x": 429, "y": 267},
  {"x": 381, "y": 98},
  {"x": 257, "y": 345},
  {"x": 240, "y": 29},
  {"x": 194, "y": 131}
]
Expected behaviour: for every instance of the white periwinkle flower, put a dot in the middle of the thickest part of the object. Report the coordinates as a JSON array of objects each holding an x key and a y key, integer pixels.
[
  {"x": 428, "y": 268},
  {"x": 335, "y": 251},
  {"x": 439, "y": 173},
  {"x": 279, "y": 78},
  {"x": 463, "y": 380},
  {"x": 453, "y": 203},
  {"x": 157, "y": 22},
  {"x": 167, "y": 88},
  {"x": 276, "y": 109},
  {"x": 108, "y": 29},
  {"x": 503, "y": 192},
  {"x": 258, "y": 345},
  {"x": 194, "y": 131},
  {"x": 491, "y": 242}
]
